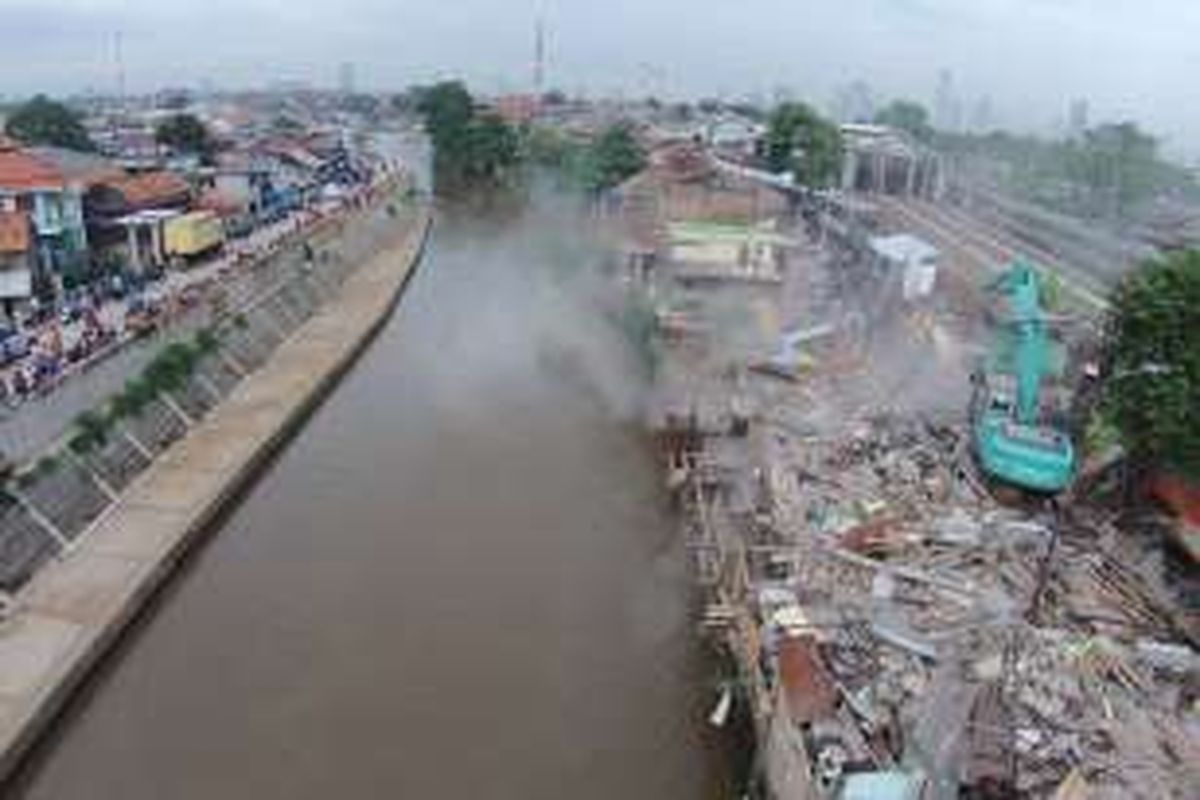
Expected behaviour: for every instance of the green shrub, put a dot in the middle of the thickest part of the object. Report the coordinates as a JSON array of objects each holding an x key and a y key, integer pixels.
[{"x": 91, "y": 431}]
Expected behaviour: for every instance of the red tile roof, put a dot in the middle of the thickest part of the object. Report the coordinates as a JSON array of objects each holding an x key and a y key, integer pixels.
[
  {"x": 14, "y": 232},
  {"x": 220, "y": 203},
  {"x": 152, "y": 189},
  {"x": 20, "y": 170}
]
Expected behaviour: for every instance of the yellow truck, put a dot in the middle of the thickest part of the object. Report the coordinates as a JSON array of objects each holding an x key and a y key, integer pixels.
[{"x": 192, "y": 234}]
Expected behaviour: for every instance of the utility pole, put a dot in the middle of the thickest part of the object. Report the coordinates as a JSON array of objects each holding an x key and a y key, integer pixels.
[
  {"x": 119, "y": 58},
  {"x": 539, "y": 56}
]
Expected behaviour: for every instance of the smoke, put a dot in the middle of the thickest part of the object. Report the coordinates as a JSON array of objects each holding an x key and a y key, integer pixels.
[{"x": 541, "y": 329}]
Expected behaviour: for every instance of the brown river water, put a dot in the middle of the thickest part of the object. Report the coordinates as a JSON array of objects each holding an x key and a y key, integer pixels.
[{"x": 458, "y": 581}]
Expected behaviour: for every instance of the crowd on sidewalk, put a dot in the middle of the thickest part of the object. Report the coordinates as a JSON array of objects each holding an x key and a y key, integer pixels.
[{"x": 88, "y": 324}]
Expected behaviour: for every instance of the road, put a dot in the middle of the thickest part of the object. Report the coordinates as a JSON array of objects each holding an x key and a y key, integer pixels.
[
  {"x": 459, "y": 581},
  {"x": 29, "y": 427}
]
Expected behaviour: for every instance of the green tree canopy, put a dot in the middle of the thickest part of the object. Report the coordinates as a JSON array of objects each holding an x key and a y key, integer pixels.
[
  {"x": 800, "y": 140},
  {"x": 447, "y": 108},
  {"x": 1153, "y": 382},
  {"x": 490, "y": 145},
  {"x": 1117, "y": 164},
  {"x": 908, "y": 116},
  {"x": 615, "y": 156},
  {"x": 360, "y": 103},
  {"x": 469, "y": 147},
  {"x": 1109, "y": 172},
  {"x": 184, "y": 133},
  {"x": 44, "y": 121},
  {"x": 549, "y": 146}
]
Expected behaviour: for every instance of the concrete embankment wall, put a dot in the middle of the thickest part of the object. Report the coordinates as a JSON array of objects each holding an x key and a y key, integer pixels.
[{"x": 75, "y": 608}]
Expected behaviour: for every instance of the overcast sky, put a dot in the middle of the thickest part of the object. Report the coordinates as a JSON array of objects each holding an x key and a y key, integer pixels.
[{"x": 1130, "y": 59}]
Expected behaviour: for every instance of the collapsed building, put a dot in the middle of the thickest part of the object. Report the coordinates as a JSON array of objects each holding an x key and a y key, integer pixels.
[{"x": 892, "y": 631}]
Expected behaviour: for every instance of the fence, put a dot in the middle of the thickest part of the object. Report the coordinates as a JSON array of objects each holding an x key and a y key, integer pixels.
[{"x": 50, "y": 503}]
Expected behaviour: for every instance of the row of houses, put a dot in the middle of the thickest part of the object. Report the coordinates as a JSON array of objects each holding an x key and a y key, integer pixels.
[{"x": 68, "y": 217}]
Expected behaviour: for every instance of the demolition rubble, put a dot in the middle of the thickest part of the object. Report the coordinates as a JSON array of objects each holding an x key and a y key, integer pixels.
[{"x": 893, "y": 630}]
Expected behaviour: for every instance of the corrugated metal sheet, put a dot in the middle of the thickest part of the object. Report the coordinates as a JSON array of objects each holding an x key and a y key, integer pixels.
[{"x": 807, "y": 685}]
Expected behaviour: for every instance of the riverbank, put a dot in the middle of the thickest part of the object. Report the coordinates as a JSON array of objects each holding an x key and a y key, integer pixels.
[{"x": 69, "y": 615}]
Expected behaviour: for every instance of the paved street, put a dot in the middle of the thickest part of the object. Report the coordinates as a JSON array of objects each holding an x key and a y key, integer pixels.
[{"x": 28, "y": 425}]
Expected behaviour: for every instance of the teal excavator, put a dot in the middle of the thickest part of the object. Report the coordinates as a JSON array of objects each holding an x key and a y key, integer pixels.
[{"x": 1016, "y": 438}]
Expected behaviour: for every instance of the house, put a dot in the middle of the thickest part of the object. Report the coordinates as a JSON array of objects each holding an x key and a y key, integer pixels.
[
  {"x": 35, "y": 187},
  {"x": 16, "y": 258},
  {"x": 243, "y": 178},
  {"x": 124, "y": 214},
  {"x": 517, "y": 109},
  {"x": 736, "y": 138},
  {"x": 914, "y": 259}
]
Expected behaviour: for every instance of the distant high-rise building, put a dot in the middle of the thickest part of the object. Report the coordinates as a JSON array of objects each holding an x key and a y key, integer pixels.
[
  {"x": 346, "y": 77},
  {"x": 1077, "y": 118},
  {"x": 947, "y": 108}
]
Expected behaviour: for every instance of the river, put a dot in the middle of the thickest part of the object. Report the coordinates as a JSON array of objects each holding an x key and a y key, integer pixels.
[{"x": 459, "y": 581}]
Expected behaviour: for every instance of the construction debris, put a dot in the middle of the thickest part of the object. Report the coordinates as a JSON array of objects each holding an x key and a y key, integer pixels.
[
  {"x": 909, "y": 621},
  {"x": 897, "y": 632}
]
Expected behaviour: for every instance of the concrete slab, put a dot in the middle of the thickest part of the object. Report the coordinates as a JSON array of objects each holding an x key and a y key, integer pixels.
[
  {"x": 212, "y": 448},
  {"x": 274, "y": 390},
  {"x": 137, "y": 533},
  {"x": 82, "y": 588},
  {"x": 177, "y": 488},
  {"x": 32, "y": 649}
]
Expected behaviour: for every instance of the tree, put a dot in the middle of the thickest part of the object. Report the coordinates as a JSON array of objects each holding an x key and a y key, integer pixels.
[
  {"x": 184, "y": 133},
  {"x": 682, "y": 111},
  {"x": 615, "y": 156},
  {"x": 554, "y": 97},
  {"x": 490, "y": 146},
  {"x": 548, "y": 146},
  {"x": 1117, "y": 163},
  {"x": 44, "y": 121},
  {"x": 907, "y": 116},
  {"x": 800, "y": 140},
  {"x": 447, "y": 108},
  {"x": 286, "y": 124},
  {"x": 1107, "y": 172},
  {"x": 360, "y": 103},
  {"x": 1152, "y": 388},
  {"x": 406, "y": 102},
  {"x": 469, "y": 148}
]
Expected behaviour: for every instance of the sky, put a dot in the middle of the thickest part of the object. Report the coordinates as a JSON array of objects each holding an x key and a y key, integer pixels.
[{"x": 1130, "y": 60}]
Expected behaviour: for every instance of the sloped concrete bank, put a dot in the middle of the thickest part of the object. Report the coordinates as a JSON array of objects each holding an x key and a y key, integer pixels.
[{"x": 74, "y": 610}]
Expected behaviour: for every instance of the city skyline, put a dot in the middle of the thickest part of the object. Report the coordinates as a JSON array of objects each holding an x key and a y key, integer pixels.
[{"x": 1030, "y": 59}]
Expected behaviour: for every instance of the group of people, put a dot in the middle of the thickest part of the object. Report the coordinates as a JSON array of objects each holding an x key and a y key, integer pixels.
[
  {"x": 59, "y": 342},
  {"x": 53, "y": 346}
]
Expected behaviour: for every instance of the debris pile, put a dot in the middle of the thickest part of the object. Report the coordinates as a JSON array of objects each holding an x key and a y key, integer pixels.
[{"x": 914, "y": 629}]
